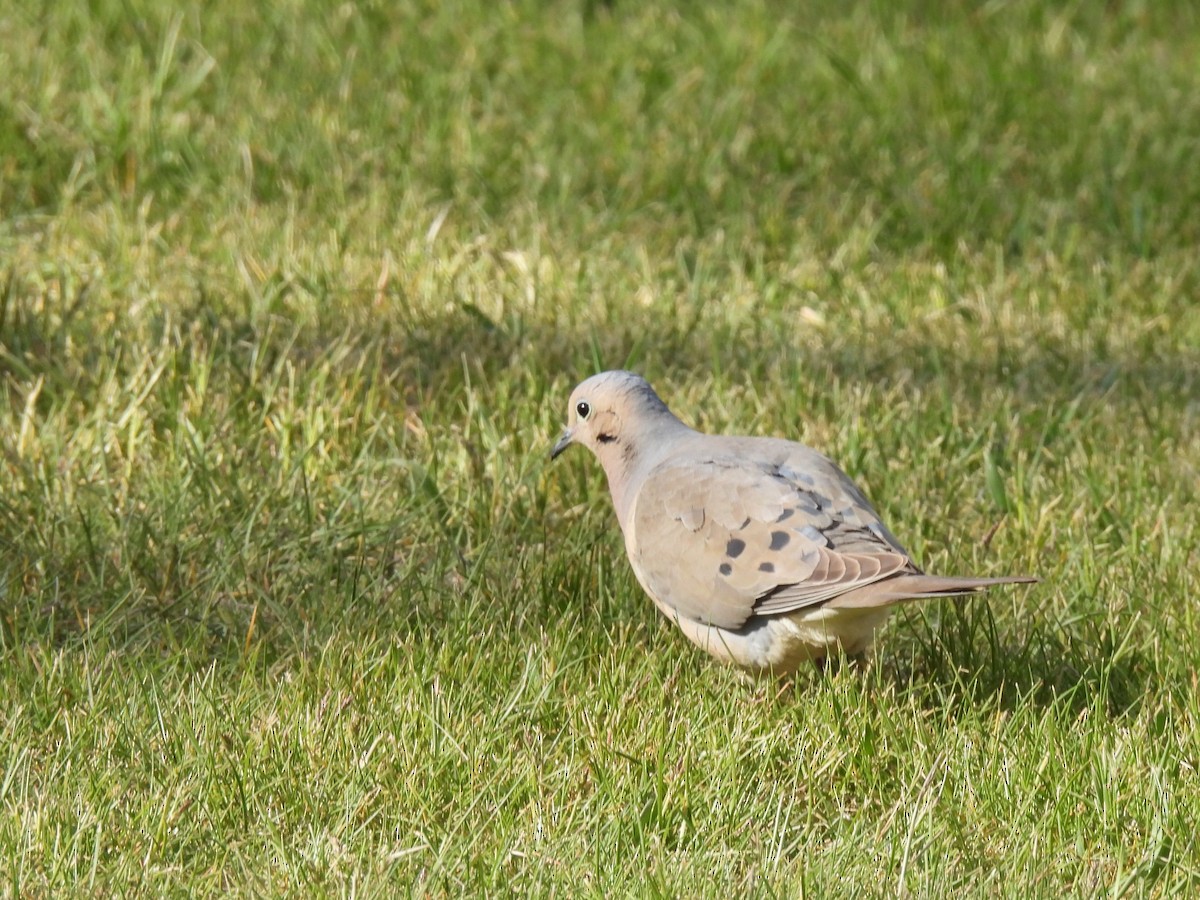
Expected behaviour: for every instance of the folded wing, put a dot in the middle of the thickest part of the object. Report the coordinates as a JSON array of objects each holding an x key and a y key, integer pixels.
[{"x": 719, "y": 540}]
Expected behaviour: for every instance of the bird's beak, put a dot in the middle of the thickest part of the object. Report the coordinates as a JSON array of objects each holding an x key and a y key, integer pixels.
[{"x": 563, "y": 443}]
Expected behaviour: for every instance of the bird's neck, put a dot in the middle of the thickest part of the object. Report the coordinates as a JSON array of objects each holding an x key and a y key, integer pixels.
[{"x": 626, "y": 464}]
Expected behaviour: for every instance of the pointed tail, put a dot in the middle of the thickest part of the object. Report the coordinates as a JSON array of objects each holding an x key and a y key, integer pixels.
[{"x": 918, "y": 587}]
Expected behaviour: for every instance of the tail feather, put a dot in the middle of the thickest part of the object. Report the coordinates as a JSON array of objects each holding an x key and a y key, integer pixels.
[{"x": 918, "y": 587}]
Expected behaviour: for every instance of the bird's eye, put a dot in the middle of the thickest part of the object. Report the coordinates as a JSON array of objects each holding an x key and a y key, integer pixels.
[{"x": 583, "y": 409}]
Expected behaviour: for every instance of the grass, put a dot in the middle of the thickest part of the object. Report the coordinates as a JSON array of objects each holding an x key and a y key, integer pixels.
[{"x": 291, "y": 300}]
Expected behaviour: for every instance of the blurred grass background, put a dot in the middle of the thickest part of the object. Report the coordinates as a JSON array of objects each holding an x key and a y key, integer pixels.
[{"x": 291, "y": 300}]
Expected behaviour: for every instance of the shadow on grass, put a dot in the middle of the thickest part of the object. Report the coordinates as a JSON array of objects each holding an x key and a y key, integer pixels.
[
  {"x": 437, "y": 356},
  {"x": 1045, "y": 368},
  {"x": 970, "y": 661}
]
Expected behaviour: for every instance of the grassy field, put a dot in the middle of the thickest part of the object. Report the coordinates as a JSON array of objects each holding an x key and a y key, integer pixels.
[{"x": 291, "y": 301}]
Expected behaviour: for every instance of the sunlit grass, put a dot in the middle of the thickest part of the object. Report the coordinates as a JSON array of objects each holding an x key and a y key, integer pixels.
[{"x": 291, "y": 300}]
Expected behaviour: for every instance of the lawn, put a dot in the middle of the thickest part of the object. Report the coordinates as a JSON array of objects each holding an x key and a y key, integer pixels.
[{"x": 292, "y": 297}]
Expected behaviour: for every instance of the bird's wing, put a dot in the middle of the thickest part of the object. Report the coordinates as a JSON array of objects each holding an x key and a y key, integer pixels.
[{"x": 720, "y": 539}]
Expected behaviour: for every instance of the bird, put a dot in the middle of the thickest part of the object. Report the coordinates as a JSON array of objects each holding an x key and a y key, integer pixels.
[{"x": 761, "y": 550}]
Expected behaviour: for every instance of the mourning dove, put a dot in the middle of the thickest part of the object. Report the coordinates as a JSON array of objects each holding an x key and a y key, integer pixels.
[{"x": 761, "y": 550}]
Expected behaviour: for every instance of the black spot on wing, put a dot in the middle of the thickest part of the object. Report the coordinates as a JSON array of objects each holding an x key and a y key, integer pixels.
[
  {"x": 725, "y": 569},
  {"x": 734, "y": 548},
  {"x": 779, "y": 540},
  {"x": 766, "y": 567}
]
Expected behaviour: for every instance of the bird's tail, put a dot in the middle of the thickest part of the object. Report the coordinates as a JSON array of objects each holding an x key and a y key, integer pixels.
[{"x": 918, "y": 587}]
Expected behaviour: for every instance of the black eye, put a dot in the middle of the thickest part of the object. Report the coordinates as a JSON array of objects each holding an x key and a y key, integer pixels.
[{"x": 583, "y": 409}]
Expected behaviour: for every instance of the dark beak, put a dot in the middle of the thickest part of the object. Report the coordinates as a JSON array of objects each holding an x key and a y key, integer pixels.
[{"x": 563, "y": 443}]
